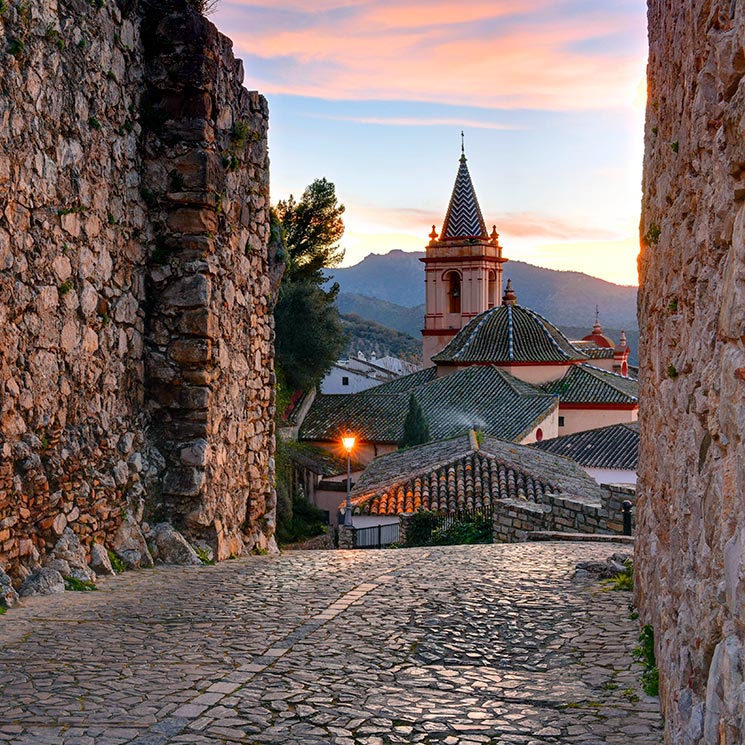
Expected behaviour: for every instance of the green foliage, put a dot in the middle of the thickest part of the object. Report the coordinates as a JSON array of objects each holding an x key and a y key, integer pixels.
[
  {"x": 16, "y": 47},
  {"x": 312, "y": 228},
  {"x": 310, "y": 335},
  {"x": 644, "y": 654},
  {"x": 54, "y": 36},
  {"x": 675, "y": 146},
  {"x": 623, "y": 580},
  {"x": 3, "y": 609},
  {"x": 98, "y": 3},
  {"x": 79, "y": 585},
  {"x": 94, "y": 123},
  {"x": 116, "y": 563},
  {"x": 111, "y": 219},
  {"x": 78, "y": 209},
  {"x": 204, "y": 556},
  {"x": 258, "y": 551},
  {"x": 64, "y": 288},
  {"x": 480, "y": 436},
  {"x": 297, "y": 518},
  {"x": 416, "y": 429},
  {"x": 672, "y": 371},
  {"x": 368, "y": 337},
  {"x": 230, "y": 162},
  {"x": 652, "y": 236},
  {"x": 83, "y": 43},
  {"x": 426, "y": 529},
  {"x": 654, "y": 130},
  {"x": 241, "y": 134}
]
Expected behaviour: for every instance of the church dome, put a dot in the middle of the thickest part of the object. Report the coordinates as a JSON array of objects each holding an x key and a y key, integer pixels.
[
  {"x": 509, "y": 334},
  {"x": 598, "y": 337}
]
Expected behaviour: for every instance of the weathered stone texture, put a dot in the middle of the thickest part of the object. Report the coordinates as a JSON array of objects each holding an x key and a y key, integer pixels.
[
  {"x": 136, "y": 332},
  {"x": 690, "y": 550}
]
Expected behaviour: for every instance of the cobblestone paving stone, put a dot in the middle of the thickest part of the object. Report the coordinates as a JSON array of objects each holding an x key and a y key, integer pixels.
[{"x": 463, "y": 645}]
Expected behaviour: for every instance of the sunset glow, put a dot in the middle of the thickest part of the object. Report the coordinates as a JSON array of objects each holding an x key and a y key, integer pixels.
[{"x": 372, "y": 94}]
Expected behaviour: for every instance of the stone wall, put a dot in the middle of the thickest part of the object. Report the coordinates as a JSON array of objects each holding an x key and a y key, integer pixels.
[
  {"x": 136, "y": 345},
  {"x": 514, "y": 519},
  {"x": 690, "y": 549}
]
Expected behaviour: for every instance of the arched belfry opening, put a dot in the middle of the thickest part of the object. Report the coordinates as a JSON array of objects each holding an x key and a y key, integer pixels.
[
  {"x": 463, "y": 266},
  {"x": 453, "y": 284}
]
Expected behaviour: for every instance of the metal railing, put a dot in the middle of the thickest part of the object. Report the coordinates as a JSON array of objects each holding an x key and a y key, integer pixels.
[{"x": 377, "y": 536}]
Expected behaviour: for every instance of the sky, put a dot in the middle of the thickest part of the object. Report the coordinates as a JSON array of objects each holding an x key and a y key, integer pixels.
[{"x": 373, "y": 95}]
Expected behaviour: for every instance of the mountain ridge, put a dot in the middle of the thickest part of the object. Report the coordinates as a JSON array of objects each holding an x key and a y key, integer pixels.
[{"x": 564, "y": 297}]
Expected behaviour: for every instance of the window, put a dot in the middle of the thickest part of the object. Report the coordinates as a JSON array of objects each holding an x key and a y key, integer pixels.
[
  {"x": 344, "y": 380},
  {"x": 561, "y": 421},
  {"x": 454, "y": 291}
]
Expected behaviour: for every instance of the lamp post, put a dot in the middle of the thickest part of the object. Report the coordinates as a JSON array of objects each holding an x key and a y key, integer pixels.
[{"x": 348, "y": 442}]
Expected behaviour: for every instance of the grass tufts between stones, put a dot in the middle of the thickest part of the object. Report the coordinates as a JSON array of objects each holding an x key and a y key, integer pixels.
[
  {"x": 204, "y": 557},
  {"x": 116, "y": 563},
  {"x": 79, "y": 585}
]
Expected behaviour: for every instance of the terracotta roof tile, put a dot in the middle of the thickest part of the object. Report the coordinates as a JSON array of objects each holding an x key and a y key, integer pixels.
[{"x": 453, "y": 475}]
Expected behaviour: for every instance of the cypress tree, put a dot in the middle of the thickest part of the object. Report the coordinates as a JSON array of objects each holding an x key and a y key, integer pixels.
[{"x": 416, "y": 429}]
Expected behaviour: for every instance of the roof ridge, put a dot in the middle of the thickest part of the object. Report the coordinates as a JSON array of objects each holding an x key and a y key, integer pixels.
[
  {"x": 486, "y": 314},
  {"x": 543, "y": 321},
  {"x": 592, "y": 370}
]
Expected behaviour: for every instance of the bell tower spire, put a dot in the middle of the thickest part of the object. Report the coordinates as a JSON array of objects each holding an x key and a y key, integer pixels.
[{"x": 463, "y": 265}]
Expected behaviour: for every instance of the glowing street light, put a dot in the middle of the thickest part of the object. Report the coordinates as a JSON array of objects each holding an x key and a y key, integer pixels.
[{"x": 348, "y": 443}]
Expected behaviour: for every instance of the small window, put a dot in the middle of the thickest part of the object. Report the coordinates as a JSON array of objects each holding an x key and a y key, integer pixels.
[
  {"x": 561, "y": 421},
  {"x": 345, "y": 380},
  {"x": 538, "y": 434}
]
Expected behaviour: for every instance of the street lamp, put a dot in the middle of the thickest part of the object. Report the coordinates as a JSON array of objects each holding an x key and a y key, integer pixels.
[{"x": 348, "y": 442}]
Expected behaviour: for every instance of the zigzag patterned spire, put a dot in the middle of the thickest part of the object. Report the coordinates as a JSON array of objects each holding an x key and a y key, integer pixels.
[{"x": 463, "y": 218}]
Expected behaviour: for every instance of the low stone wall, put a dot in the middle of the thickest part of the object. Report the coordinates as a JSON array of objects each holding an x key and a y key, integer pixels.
[{"x": 514, "y": 519}]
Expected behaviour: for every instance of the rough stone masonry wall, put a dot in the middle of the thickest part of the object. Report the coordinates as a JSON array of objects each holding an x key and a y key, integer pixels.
[
  {"x": 135, "y": 332},
  {"x": 690, "y": 550}
]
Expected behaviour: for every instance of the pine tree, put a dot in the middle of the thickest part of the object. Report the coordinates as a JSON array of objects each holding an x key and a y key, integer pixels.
[{"x": 416, "y": 429}]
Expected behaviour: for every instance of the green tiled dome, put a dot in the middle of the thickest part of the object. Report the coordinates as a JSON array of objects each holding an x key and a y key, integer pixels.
[{"x": 507, "y": 334}]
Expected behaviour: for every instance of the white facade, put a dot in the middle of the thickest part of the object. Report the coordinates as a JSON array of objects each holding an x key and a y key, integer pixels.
[{"x": 359, "y": 373}]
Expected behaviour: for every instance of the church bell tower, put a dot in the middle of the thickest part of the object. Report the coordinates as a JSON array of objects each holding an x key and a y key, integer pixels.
[{"x": 463, "y": 267}]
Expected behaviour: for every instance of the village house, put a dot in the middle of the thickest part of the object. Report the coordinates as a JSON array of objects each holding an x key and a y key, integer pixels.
[{"x": 498, "y": 367}]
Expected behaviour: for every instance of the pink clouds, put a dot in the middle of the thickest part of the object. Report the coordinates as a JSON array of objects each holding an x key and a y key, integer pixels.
[{"x": 500, "y": 54}]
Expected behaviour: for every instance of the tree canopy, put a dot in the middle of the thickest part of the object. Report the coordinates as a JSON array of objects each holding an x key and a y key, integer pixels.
[
  {"x": 312, "y": 229},
  {"x": 309, "y": 333},
  {"x": 416, "y": 429}
]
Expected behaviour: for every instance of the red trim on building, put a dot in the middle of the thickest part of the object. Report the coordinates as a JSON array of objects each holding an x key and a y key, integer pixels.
[{"x": 439, "y": 332}]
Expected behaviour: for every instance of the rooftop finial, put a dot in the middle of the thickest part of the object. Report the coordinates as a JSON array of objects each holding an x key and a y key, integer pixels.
[
  {"x": 597, "y": 328},
  {"x": 462, "y": 146},
  {"x": 509, "y": 297}
]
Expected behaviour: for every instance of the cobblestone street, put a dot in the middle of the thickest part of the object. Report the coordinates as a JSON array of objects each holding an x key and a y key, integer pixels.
[{"x": 456, "y": 645}]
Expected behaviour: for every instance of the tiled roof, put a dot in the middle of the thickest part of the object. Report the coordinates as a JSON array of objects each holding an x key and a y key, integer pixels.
[
  {"x": 616, "y": 446},
  {"x": 454, "y": 475},
  {"x": 509, "y": 333},
  {"x": 463, "y": 218},
  {"x": 585, "y": 384},
  {"x": 593, "y": 351},
  {"x": 481, "y": 396}
]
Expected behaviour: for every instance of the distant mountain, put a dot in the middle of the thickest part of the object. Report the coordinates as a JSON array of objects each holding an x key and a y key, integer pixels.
[
  {"x": 565, "y": 298},
  {"x": 369, "y": 337},
  {"x": 406, "y": 320}
]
